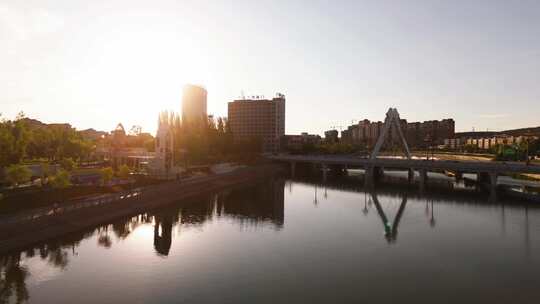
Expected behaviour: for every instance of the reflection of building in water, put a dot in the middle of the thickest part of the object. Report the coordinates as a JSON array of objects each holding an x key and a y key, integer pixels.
[
  {"x": 197, "y": 212},
  {"x": 251, "y": 205},
  {"x": 263, "y": 203},
  {"x": 163, "y": 234}
]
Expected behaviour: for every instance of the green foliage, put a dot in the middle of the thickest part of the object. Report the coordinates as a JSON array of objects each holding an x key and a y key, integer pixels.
[
  {"x": 17, "y": 174},
  {"x": 204, "y": 141},
  {"x": 471, "y": 148},
  {"x": 123, "y": 172},
  {"x": 61, "y": 180},
  {"x": 22, "y": 138},
  {"x": 45, "y": 170},
  {"x": 14, "y": 138},
  {"x": 513, "y": 152},
  {"x": 68, "y": 164},
  {"x": 534, "y": 147},
  {"x": 106, "y": 175}
]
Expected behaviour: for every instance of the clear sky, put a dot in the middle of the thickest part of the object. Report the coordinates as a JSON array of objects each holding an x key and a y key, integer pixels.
[{"x": 96, "y": 63}]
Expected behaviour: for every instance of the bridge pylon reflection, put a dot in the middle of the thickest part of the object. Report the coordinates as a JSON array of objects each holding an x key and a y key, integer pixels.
[{"x": 390, "y": 229}]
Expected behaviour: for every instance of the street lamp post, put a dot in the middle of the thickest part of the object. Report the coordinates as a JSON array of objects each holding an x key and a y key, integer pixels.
[{"x": 427, "y": 140}]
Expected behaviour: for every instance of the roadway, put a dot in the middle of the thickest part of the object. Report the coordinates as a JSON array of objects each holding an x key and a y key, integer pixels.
[{"x": 413, "y": 164}]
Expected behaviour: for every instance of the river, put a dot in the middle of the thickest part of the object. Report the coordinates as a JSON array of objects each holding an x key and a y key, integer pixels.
[{"x": 285, "y": 241}]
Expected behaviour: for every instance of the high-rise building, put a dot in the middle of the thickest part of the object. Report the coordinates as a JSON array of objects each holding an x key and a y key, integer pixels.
[
  {"x": 418, "y": 134},
  {"x": 262, "y": 119},
  {"x": 194, "y": 104}
]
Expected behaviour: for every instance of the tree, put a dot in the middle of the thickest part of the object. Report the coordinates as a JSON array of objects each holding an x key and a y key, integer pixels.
[
  {"x": 135, "y": 130},
  {"x": 67, "y": 164},
  {"x": 106, "y": 175},
  {"x": 123, "y": 172},
  {"x": 61, "y": 180},
  {"x": 14, "y": 138},
  {"x": 45, "y": 171},
  {"x": 17, "y": 174}
]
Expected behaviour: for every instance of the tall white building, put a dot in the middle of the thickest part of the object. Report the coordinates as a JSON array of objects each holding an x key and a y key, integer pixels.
[
  {"x": 162, "y": 164},
  {"x": 194, "y": 104}
]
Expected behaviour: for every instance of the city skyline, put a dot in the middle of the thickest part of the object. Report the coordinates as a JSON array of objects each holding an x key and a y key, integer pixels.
[{"x": 474, "y": 62}]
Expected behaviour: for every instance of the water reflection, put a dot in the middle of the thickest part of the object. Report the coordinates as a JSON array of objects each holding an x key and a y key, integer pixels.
[
  {"x": 262, "y": 204},
  {"x": 263, "y": 207},
  {"x": 390, "y": 229},
  {"x": 12, "y": 279}
]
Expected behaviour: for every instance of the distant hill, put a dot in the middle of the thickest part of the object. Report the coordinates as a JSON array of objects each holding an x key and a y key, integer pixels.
[{"x": 514, "y": 132}]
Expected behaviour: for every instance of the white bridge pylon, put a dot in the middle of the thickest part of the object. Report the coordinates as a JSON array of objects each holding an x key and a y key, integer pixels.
[{"x": 392, "y": 117}]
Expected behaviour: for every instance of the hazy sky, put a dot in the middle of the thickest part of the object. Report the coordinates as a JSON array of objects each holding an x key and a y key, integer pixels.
[{"x": 97, "y": 63}]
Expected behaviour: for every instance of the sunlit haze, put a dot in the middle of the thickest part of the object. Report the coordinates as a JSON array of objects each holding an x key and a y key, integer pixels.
[{"x": 96, "y": 63}]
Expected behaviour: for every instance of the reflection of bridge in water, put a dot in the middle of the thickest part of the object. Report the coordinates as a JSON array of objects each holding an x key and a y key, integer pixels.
[
  {"x": 404, "y": 193},
  {"x": 390, "y": 229}
]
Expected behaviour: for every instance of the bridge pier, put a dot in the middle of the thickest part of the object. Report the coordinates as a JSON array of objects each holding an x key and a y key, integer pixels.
[
  {"x": 379, "y": 172},
  {"x": 410, "y": 176},
  {"x": 368, "y": 177},
  {"x": 489, "y": 181},
  {"x": 324, "y": 169},
  {"x": 423, "y": 179},
  {"x": 293, "y": 169},
  {"x": 313, "y": 167},
  {"x": 493, "y": 185},
  {"x": 373, "y": 174},
  {"x": 458, "y": 176}
]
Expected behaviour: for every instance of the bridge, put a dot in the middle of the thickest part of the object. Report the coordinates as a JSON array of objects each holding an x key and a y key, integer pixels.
[{"x": 374, "y": 166}]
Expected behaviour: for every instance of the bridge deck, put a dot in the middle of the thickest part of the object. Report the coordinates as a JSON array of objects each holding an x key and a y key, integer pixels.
[{"x": 458, "y": 166}]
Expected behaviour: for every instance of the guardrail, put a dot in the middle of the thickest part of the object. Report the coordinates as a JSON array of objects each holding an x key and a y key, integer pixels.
[{"x": 68, "y": 206}]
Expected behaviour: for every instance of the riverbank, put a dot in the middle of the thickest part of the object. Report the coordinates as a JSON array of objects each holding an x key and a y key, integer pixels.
[{"x": 30, "y": 230}]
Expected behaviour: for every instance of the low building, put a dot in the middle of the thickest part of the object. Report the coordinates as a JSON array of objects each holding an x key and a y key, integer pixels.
[
  {"x": 297, "y": 142},
  {"x": 331, "y": 136},
  {"x": 486, "y": 143},
  {"x": 453, "y": 143}
]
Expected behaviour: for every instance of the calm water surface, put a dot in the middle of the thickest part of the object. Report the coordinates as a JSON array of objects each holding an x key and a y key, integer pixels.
[{"x": 290, "y": 242}]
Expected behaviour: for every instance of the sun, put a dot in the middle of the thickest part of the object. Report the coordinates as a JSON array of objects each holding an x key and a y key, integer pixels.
[{"x": 140, "y": 73}]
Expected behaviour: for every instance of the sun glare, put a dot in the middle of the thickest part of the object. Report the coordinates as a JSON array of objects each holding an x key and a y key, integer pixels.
[{"x": 144, "y": 72}]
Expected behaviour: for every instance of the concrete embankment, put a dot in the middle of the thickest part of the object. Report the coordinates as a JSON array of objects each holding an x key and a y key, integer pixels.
[{"x": 15, "y": 235}]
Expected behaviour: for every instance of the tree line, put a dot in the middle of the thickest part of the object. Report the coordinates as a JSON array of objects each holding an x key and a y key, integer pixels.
[
  {"x": 207, "y": 140},
  {"x": 20, "y": 140}
]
